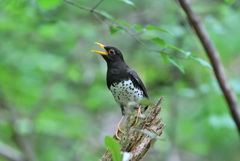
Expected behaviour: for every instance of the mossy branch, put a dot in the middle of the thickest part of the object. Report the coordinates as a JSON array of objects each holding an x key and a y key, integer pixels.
[{"x": 138, "y": 139}]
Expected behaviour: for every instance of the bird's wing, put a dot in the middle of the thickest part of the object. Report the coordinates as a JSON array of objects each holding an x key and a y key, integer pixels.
[{"x": 138, "y": 81}]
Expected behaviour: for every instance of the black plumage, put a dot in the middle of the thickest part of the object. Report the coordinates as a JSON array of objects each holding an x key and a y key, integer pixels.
[{"x": 123, "y": 82}]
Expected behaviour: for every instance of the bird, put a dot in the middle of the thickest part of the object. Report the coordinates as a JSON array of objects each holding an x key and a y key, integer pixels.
[{"x": 123, "y": 82}]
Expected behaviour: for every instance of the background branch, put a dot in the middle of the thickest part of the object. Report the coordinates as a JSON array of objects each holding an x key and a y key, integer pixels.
[
  {"x": 216, "y": 63},
  {"x": 138, "y": 139},
  {"x": 10, "y": 153},
  {"x": 23, "y": 142}
]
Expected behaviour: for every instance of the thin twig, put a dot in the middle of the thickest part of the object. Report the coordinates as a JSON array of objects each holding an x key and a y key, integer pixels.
[
  {"x": 97, "y": 5},
  {"x": 81, "y": 7},
  {"x": 99, "y": 19},
  {"x": 134, "y": 35},
  {"x": 213, "y": 55},
  {"x": 159, "y": 101},
  {"x": 126, "y": 29},
  {"x": 88, "y": 9}
]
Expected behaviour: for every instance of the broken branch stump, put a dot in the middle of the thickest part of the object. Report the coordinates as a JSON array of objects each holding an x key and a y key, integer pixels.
[{"x": 138, "y": 139}]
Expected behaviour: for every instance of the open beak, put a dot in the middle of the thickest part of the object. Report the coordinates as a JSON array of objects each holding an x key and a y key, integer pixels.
[{"x": 100, "y": 52}]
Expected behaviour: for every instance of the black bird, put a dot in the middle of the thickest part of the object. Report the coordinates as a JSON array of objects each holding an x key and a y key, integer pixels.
[{"x": 123, "y": 82}]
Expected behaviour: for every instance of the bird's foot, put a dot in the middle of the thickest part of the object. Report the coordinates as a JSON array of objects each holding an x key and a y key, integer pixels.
[
  {"x": 118, "y": 130},
  {"x": 138, "y": 113}
]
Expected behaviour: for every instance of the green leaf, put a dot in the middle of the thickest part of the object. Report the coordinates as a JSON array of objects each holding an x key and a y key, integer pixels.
[
  {"x": 114, "y": 147},
  {"x": 49, "y": 4},
  {"x": 201, "y": 61},
  {"x": 124, "y": 23},
  {"x": 113, "y": 30},
  {"x": 177, "y": 49},
  {"x": 176, "y": 63},
  {"x": 158, "y": 41},
  {"x": 164, "y": 58},
  {"x": 151, "y": 134},
  {"x": 132, "y": 104},
  {"x": 168, "y": 58},
  {"x": 229, "y": 1},
  {"x": 107, "y": 15},
  {"x": 138, "y": 27},
  {"x": 119, "y": 28},
  {"x": 145, "y": 101},
  {"x": 149, "y": 27},
  {"x": 129, "y": 3}
]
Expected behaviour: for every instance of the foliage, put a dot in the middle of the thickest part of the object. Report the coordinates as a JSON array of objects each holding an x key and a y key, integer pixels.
[
  {"x": 58, "y": 88},
  {"x": 114, "y": 147}
]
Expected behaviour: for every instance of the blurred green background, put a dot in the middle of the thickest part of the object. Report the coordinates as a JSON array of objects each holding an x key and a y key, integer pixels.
[{"x": 57, "y": 90}]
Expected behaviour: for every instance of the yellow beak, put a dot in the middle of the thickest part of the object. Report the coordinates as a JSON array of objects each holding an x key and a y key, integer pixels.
[{"x": 100, "y": 52}]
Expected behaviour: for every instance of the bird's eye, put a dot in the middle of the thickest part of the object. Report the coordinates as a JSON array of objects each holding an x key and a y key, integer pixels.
[{"x": 111, "y": 51}]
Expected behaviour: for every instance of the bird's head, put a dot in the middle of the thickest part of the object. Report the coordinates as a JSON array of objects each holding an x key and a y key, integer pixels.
[{"x": 111, "y": 54}]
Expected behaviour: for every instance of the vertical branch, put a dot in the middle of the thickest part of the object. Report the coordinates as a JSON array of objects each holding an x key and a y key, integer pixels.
[{"x": 213, "y": 55}]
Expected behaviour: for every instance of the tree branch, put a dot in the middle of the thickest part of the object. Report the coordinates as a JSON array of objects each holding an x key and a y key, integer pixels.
[
  {"x": 88, "y": 9},
  {"x": 138, "y": 139},
  {"x": 97, "y": 5},
  {"x": 10, "y": 153},
  {"x": 128, "y": 31},
  {"x": 215, "y": 61}
]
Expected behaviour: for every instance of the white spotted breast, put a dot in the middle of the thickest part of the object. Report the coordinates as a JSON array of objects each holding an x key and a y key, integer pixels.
[{"x": 125, "y": 92}]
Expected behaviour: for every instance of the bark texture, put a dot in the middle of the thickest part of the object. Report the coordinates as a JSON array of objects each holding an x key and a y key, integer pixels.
[{"x": 137, "y": 139}]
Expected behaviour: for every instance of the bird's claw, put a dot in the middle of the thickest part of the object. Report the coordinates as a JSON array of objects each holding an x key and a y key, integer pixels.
[
  {"x": 118, "y": 130},
  {"x": 138, "y": 113}
]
